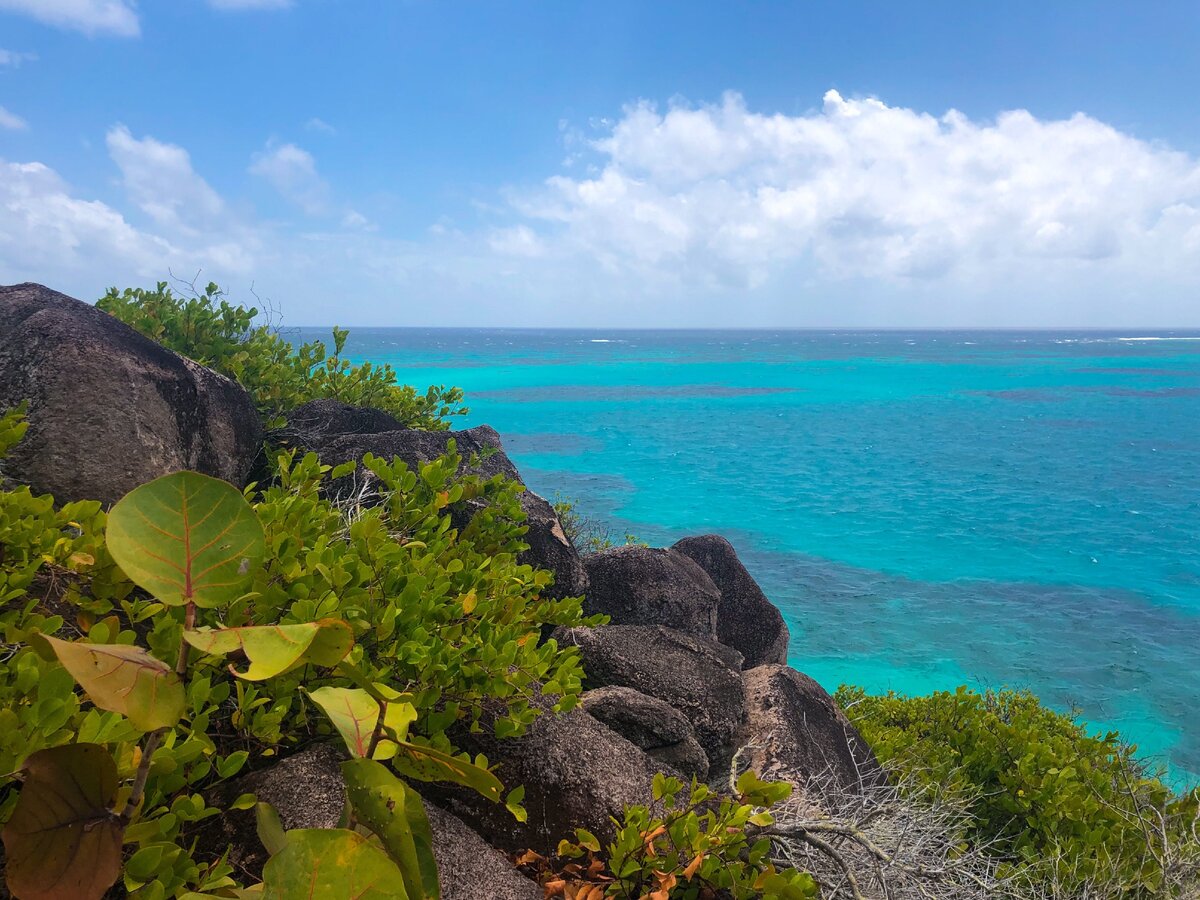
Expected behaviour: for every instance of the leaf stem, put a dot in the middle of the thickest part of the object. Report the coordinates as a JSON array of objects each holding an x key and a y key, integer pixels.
[
  {"x": 143, "y": 772},
  {"x": 189, "y": 622}
]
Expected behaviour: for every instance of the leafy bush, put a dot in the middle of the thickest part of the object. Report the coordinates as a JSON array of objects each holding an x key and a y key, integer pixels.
[
  {"x": 280, "y": 377},
  {"x": 587, "y": 534},
  {"x": 429, "y": 622},
  {"x": 691, "y": 843},
  {"x": 1075, "y": 809}
]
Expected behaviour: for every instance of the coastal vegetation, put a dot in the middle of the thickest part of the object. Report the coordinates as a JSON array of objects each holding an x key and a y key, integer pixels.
[{"x": 400, "y": 627}]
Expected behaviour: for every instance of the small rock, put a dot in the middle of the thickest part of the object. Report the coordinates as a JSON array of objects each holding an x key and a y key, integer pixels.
[
  {"x": 796, "y": 733},
  {"x": 109, "y": 409},
  {"x": 698, "y": 677},
  {"x": 649, "y": 586},
  {"x": 746, "y": 619},
  {"x": 652, "y": 724}
]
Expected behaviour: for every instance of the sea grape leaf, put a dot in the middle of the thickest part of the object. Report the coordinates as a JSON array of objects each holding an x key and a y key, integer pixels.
[
  {"x": 63, "y": 841},
  {"x": 185, "y": 538},
  {"x": 427, "y": 764},
  {"x": 355, "y": 714},
  {"x": 269, "y": 827},
  {"x": 124, "y": 679},
  {"x": 395, "y": 813},
  {"x": 334, "y": 863},
  {"x": 273, "y": 649}
]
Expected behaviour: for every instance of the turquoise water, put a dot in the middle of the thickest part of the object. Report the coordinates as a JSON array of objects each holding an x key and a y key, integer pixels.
[{"x": 928, "y": 509}]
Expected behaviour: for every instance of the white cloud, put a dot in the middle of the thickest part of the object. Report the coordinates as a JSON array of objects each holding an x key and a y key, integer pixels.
[
  {"x": 734, "y": 199},
  {"x": 11, "y": 121},
  {"x": 316, "y": 124},
  {"x": 14, "y": 59},
  {"x": 92, "y": 17},
  {"x": 292, "y": 171},
  {"x": 159, "y": 178},
  {"x": 250, "y": 4},
  {"x": 520, "y": 240}
]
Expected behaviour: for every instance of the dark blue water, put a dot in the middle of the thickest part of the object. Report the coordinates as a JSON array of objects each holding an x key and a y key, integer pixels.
[{"x": 928, "y": 509}]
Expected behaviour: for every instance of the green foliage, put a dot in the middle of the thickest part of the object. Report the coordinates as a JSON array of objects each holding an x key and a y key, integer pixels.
[
  {"x": 692, "y": 843},
  {"x": 280, "y": 377},
  {"x": 588, "y": 535},
  {"x": 1044, "y": 794},
  {"x": 426, "y": 621}
]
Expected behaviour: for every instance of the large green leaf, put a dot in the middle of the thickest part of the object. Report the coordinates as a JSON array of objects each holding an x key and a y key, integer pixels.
[
  {"x": 186, "y": 538},
  {"x": 273, "y": 649},
  {"x": 427, "y": 764},
  {"x": 331, "y": 864},
  {"x": 124, "y": 679},
  {"x": 355, "y": 714},
  {"x": 394, "y": 811},
  {"x": 63, "y": 841}
]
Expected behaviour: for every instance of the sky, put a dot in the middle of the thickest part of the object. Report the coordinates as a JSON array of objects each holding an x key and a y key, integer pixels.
[{"x": 616, "y": 164}]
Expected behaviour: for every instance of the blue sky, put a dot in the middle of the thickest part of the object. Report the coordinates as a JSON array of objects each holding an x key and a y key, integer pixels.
[{"x": 612, "y": 164}]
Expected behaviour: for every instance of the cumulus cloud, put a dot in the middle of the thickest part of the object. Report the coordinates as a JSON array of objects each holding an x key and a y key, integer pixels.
[
  {"x": 159, "y": 178},
  {"x": 92, "y": 17},
  {"x": 14, "y": 60},
  {"x": 860, "y": 189},
  {"x": 11, "y": 121},
  {"x": 292, "y": 171}
]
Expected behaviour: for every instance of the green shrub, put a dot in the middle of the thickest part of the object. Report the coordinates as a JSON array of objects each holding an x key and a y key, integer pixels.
[
  {"x": 692, "y": 843},
  {"x": 587, "y": 534},
  {"x": 1074, "y": 808},
  {"x": 440, "y": 621},
  {"x": 280, "y": 377}
]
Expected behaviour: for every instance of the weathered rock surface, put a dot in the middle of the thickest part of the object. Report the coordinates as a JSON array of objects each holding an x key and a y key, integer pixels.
[
  {"x": 651, "y": 586},
  {"x": 110, "y": 409},
  {"x": 340, "y": 433},
  {"x": 746, "y": 619},
  {"x": 306, "y": 790},
  {"x": 652, "y": 724},
  {"x": 698, "y": 677},
  {"x": 577, "y": 774},
  {"x": 796, "y": 733},
  {"x": 468, "y": 868}
]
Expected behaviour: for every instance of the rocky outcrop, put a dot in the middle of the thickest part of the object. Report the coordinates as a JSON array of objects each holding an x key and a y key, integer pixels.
[
  {"x": 796, "y": 733},
  {"x": 468, "y": 868},
  {"x": 650, "y": 586},
  {"x": 652, "y": 724},
  {"x": 339, "y": 433},
  {"x": 699, "y": 678},
  {"x": 746, "y": 619},
  {"x": 110, "y": 409},
  {"x": 577, "y": 773}
]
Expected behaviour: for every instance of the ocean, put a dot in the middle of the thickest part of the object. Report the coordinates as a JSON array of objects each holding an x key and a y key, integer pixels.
[{"x": 927, "y": 509}]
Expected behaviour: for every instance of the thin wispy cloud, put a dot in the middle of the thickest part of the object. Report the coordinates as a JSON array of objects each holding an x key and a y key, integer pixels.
[
  {"x": 92, "y": 17},
  {"x": 10, "y": 121},
  {"x": 292, "y": 171},
  {"x": 319, "y": 125},
  {"x": 13, "y": 60}
]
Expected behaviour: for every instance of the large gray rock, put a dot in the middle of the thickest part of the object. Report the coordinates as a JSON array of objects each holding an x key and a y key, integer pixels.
[
  {"x": 468, "y": 868},
  {"x": 746, "y": 619},
  {"x": 110, "y": 409},
  {"x": 698, "y": 677},
  {"x": 577, "y": 773},
  {"x": 652, "y": 724},
  {"x": 649, "y": 586},
  {"x": 796, "y": 733},
  {"x": 340, "y": 433}
]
